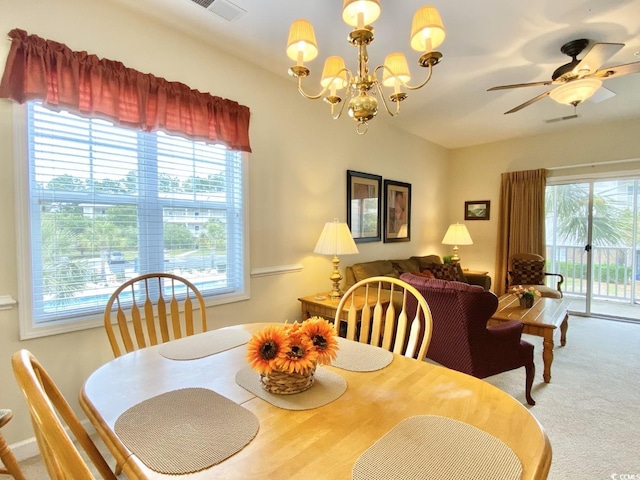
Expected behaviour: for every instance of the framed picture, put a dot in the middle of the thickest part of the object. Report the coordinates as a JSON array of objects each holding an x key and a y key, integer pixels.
[
  {"x": 477, "y": 210},
  {"x": 364, "y": 206},
  {"x": 397, "y": 211}
]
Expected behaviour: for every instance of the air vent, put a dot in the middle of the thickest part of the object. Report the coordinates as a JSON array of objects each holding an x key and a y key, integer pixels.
[
  {"x": 223, "y": 8},
  {"x": 203, "y": 3}
]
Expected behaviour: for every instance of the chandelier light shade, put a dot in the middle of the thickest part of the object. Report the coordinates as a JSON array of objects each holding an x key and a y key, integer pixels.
[
  {"x": 427, "y": 31},
  {"x": 396, "y": 70},
  {"x": 363, "y": 85},
  {"x": 576, "y": 91},
  {"x": 359, "y": 13},
  {"x": 457, "y": 234},
  {"x": 302, "y": 45},
  {"x": 336, "y": 239},
  {"x": 334, "y": 73}
]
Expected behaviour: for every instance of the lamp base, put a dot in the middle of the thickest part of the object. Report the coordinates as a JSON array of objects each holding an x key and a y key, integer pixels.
[
  {"x": 335, "y": 278},
  {"x": 455, "y": 258}
]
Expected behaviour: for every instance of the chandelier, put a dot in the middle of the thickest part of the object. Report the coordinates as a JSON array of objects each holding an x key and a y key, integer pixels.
[{"x": 427, "y": 33}]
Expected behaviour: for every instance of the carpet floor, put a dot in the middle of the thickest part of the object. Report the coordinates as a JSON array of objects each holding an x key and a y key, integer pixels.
[{"x": 590, "y": 410}]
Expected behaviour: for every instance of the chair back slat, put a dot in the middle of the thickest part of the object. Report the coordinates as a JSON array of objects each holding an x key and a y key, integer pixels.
[
  {"x": 401, "y": 329},
  {"x": 386, "y": 311},
  {"x": 161, "y": 307},
  {"x": 48, "y": 409},
  {"x": 175, "y": 312},
  {"x": 352, "y": 315},
  {"x": 167, "y": 313},
  {"x": 365, "y": 317}
]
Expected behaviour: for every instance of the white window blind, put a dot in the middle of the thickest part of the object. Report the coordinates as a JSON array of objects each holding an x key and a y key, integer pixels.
[{"x": 107, "y": 203}]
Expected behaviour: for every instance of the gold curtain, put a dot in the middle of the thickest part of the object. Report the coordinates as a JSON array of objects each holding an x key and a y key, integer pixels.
[{"x": 521, "y": 219}]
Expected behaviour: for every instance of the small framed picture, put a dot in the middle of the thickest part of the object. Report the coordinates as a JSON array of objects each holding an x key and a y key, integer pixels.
[
  {"x": 364, "y": 206},
  {"x": 397, "y": 211},
  {"x": 477, "y": 210}
]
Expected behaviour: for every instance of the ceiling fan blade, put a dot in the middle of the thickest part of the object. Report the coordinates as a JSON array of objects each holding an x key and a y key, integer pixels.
[
  {"x": 518, "y": 85},
  {"x": 601, "y": 95},
  {"x": 595, "y": 57},
  {"x": 529, "y": 102},
  {"x": 618, "y": 71}
]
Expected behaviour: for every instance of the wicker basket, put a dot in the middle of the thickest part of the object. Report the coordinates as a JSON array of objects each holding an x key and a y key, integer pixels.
[{"x": 285, "y": 383}]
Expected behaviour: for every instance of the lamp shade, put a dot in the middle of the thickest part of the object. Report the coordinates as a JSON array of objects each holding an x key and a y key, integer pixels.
[
  {"x": 333, "y": 65},
  {"x": 359, "y": 13},
  {"x": 396, "y": 63},
  {"x": 457, "y": 234},
  {"x": 302, "y": 45},
  {"x": 576, "y": 91},
  {"x": 427, "y": 30},
  {"x": 336, "y": 239}
]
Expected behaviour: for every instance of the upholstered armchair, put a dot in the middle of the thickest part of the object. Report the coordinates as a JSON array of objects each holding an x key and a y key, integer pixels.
[
  {"x": 528, "y": 270},
  {"x": 461, "y": 339}
]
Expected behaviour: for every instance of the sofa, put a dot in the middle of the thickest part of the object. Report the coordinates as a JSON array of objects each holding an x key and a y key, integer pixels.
[
  {"x": 460, "y": 338},
  {"x": 428, "y": 265}
]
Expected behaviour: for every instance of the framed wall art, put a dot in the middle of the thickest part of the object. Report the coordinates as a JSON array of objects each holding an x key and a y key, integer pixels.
[
  {"x": 477, "y": 210},
  {"x": 364, "y": 206},
  {"x": 397, "y": 211}
]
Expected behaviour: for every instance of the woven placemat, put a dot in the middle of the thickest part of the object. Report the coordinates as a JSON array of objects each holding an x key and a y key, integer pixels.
[
  {"x": 360, "y": 357},
  {"x": 428, "y": 447},
  {"x": 186, "y": 430},
  {"x": 203, "y": 344},
  {"x": 326, "y": 388}
]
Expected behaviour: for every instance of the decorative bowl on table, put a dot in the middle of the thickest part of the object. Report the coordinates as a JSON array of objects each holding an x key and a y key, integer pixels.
[{"x": 286, "y": 355}]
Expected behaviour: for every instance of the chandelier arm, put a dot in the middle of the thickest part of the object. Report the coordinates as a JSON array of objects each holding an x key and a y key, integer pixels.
[
  {"x": 344, "y": 102},
  {"x": 324, "y": 90},
  {"x": 384, "y": 101},
  {"x": 409, "y": 87}
]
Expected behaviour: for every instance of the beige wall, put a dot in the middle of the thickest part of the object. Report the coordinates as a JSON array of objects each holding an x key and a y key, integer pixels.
[
  {"x": 297, "y": 178},
  {"x": 606, "y": 148}
]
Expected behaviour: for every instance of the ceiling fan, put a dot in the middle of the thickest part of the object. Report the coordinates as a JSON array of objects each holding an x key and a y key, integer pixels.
[{"x": 578, "y": 79}]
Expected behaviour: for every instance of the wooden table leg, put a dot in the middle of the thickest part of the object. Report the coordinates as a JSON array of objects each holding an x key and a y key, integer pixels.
[
  {"x": 563, "y": 330},
  {"x": 547, "y": 354}
]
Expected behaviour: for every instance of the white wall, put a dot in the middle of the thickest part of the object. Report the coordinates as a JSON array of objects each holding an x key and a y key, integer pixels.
[{"x": 297, "y": 178}]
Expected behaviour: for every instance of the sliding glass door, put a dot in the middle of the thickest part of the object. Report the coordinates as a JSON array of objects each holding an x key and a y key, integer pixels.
[{"x": 592, "y": 239}]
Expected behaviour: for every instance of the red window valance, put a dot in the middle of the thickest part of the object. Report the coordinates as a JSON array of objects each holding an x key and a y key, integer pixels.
[{"x": 45, "y": 70}]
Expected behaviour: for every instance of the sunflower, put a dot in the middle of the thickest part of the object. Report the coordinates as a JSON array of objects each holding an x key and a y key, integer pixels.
[
  {"x": 301, "y": 356},
  {"x": 323, "y": 336},
  {"x": 266, "y": 348}
]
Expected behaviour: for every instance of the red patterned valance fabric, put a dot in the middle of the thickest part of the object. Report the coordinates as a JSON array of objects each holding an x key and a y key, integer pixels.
[{"x": 45, "y": 70}]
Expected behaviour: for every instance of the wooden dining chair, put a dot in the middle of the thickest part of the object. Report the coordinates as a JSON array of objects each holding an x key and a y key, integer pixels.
[
  {"x": 48, "y": 409},
  {"x": 377, "y": 313},
  {"x": 9, "y": 461},
  {"x": 152, "y": 309}
]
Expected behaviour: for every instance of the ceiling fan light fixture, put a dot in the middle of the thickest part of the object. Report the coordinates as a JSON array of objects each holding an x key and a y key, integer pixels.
[{"x": 576, "y": 91}]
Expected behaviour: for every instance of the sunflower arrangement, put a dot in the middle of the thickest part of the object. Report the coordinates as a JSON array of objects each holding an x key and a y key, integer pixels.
[{"x": 293, "y": 348}]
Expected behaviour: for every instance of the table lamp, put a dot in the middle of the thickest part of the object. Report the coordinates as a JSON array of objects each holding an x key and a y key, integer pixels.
[
  {"x": 335, "y": 240},
  {"x": 457, "y": 234}
]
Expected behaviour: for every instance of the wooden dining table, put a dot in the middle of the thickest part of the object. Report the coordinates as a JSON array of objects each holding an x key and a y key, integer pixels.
[{"x": 317, "y": 443}]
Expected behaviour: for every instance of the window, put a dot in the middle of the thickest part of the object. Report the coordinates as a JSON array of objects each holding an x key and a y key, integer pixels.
[{"x": 107, "y": 203}]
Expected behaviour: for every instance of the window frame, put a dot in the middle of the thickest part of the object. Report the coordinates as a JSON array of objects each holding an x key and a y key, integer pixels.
[{"x": 30, "y": 329}]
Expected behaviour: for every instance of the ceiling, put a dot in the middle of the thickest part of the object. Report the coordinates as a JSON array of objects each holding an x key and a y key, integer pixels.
[{"x": 488, "y": 43}]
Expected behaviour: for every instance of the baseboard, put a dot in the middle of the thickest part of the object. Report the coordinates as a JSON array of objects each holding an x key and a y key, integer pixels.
[{"x": 29, "y": 448}]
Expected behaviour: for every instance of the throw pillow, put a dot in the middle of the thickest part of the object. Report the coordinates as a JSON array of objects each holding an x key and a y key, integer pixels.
[
  {"x": 425, "y": 274},
  {"x": 444, "y": 271},
  {"x": 527, "y": 272}
]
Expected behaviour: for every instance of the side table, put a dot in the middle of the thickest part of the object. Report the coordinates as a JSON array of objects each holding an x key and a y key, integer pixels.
[{"x": 315, "y": 305}]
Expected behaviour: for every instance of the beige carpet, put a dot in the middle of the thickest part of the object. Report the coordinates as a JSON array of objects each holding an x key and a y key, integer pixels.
[{"x": 590, "y": 409}]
